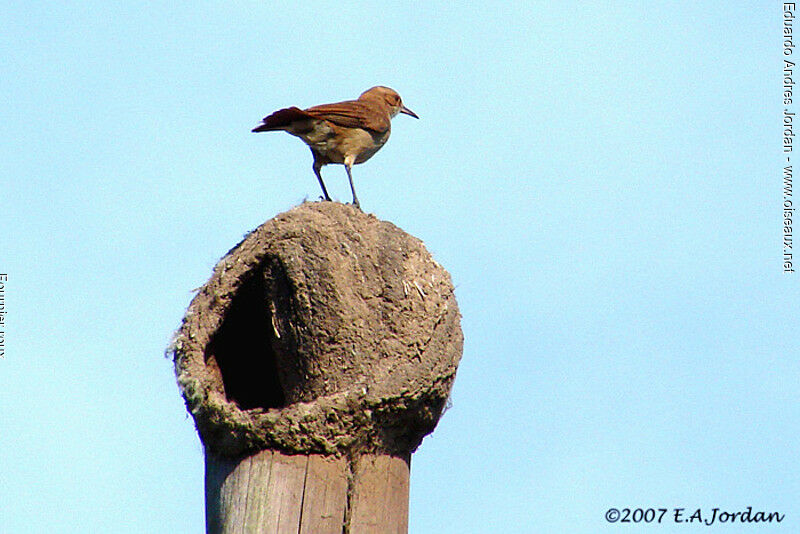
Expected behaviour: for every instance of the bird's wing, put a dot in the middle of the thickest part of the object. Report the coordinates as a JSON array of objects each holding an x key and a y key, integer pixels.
[
  {"x": 351, "y": 114},
  {"x": 281, "y": 119}
]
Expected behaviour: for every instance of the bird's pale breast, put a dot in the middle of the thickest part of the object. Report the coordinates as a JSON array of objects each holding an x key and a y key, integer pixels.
[{"x": 334, "y": 143}]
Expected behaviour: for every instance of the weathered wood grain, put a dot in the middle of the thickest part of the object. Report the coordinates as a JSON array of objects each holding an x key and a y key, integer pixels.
[
  {"x": 325, "y": 497},
  {"x": 275, "y": 493},
  {"x": 380, "y": 496}
]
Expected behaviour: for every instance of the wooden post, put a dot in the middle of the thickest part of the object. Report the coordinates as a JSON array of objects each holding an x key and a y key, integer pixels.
[
  {"x": 310, "y": 494},
  {"x": 314, "y": 361}
]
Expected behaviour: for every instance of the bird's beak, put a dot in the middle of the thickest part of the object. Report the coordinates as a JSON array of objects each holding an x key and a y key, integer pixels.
[{"x": 408, "y": 112}]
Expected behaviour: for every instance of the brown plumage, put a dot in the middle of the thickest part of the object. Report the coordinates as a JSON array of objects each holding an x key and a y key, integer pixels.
[{"x": 347, "y": 132}]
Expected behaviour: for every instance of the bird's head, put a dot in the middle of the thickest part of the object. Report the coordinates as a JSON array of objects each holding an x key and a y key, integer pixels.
[{"x": 388, "y": 97}]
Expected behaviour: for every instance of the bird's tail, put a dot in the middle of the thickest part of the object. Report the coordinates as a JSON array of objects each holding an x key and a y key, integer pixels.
[{"x": 282, "y": 119}]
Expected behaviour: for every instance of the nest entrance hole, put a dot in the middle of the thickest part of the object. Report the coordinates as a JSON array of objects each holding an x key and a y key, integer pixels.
[{"x": 243, "y": 349}]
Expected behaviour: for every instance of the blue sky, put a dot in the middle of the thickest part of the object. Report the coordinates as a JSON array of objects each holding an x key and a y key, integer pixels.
[{"x": 603, "y": 182}]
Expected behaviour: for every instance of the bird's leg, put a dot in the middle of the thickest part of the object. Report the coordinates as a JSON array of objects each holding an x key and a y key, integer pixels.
[
  {"x": 348, "y": 163},
  {"x": 317, "y": 167}
]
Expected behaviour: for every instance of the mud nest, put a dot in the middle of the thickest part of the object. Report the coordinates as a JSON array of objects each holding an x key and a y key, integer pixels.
[{"x": 326, "y": 331}]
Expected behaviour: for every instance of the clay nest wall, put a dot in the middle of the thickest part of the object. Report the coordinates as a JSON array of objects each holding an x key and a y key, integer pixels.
[{"x": 326, "y": 331}]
